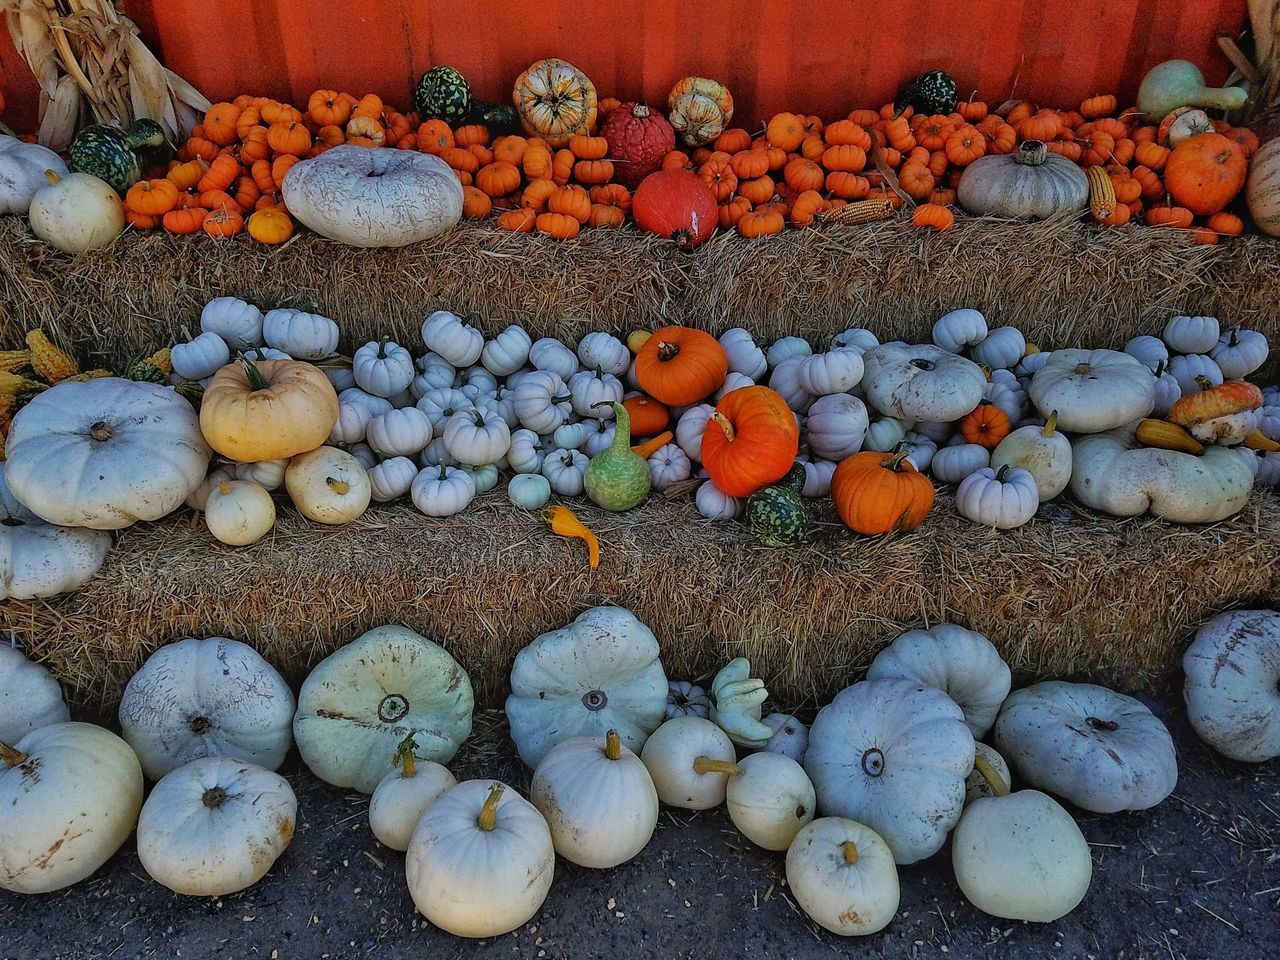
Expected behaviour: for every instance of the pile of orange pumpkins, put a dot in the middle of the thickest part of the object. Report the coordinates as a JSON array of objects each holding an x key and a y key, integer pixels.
[{"x": 793, "y": 170}]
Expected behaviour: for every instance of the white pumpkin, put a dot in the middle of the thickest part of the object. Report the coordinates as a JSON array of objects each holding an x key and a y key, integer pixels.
[
  {"x": 202, "y": 357},
  {"x": 474, "y": 438},
  {"x": 714, "y": 504},
  {"x": 1099, "y": 749},
  {"x": 1001, "y": 349},
  {"x": 980, "y": 784},
  {"x": 1232, "y": 690},
  {"x": 817, "y": 475},
  {"x": 22, "y": 173},
  {"x": 1108, "y": 475},
  {"x": 265, "y": 353},
  {"x": 962, "y": 328},
  {"x": 476, "y": 382},
  {"x": 451, "y": 337},
  {"x": 404, "y": 795},
  {"x": 529, "y": 491},
  {"x": 605, "y": 351},
  {"x": 442, "y": 491},
  {"x": 952, "y": 464},
  {"x": 571, "y": 436},
  {"x": 732, "y": 381},
  {"x": 843, "y": 875},
  {"x": 599, "y": 673},
  {"x": 383, "y": 368},
  {"x": 1191, "y": 334},
  {"x": 1020, "y": 856},
  {"x": 667, "y": 465},
  {"x": 352, "y": 425},
  {"x": 391, "y": 479},
  {"x": 268, "y": 474},
  {"x": 836, "y": 426},
  {"x": 1188, "y": 369},
  {"x": 481, "y": 860},
  {"x": 436, "y": 372},
  {"x": 239, "y": 512},
  {"x": 484, "y": 477},
  {"x": 785, "y": 380},
  {"x": 441, "y": 404},
  {"x": 1003, "y": 498},
  {"x": 399, "y": 433},
  {"x": 30, "y": 697},
  {"x": 884, "y": 435},
  {"x": 105, "y": 453},
  {"x": 357, "y": 397},
  {"x": 76, "y": 213},
  {"x": 566, "y": 471},
  {"x": 1042, "y": 452},
  {"x": 70, "y": 793},
  {"x": 1239, "y": 353},
  {"x": 921, "y": 382},
  {"x": 744, "y": 355},
  {"x": 961, "y": 663},
  {"x": 690, "y": 760},
  {"x": 1266, "y": 466},
  {"x": 358, "y": 705},
  {"x": 592, "y": 394},
  {"x": 328, "y": 485},
  {"x": 685, "y": 699},
  {"x": 690, "y": 428},
  {"x": 1092, "y": 390},
  {"x": 1031, "y": 363},
  {"x": 500, "y": 402},
  {"x": 303, "y": 336},
  {"x": 1168, "y": 391},
  {"x": 507, "y": 352},
  {"x": 855, "y": 338},
  {"x": 1005, "y": 391},
  {"x": 598, "y": 800},
  {"x": 920, "y": 450},
  {"x": 599, "y": 437},
  {"x": 39, "y": 559},
  {"x": 236, "y": 321},
  {"x": 215, "y": 826},
  {"x": 552, "y": 356},
  {"x": 198, "y": 497},
  {"x": 835, "y": 372},
  {"x": 542, "y": 401},
  {"x": 790, "y": 736},
  {"x": 1147, "y": 350},
  {"x": 364, "y": 455},
  {"x": 769, "y": 798},
  {"x": 527, "y": 451},
  {"x": 374, "y": 197},
  {"x": 787, "y": 348},
  {"x": 894, "y": 755}
]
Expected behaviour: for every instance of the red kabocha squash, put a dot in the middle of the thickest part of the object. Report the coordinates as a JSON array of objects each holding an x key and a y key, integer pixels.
[
  {"x": 1205, "y": 172},
  {"x": 639, "y": 138},
  {"x": 675, "y": 204},
  {"x": 751, "y": 441},
  {"x": 878, "y": 493},
  {"x": 679, "y": 365}
]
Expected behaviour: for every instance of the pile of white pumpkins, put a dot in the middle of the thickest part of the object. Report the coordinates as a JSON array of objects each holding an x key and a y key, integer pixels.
[{"x": 889, "y": 769}]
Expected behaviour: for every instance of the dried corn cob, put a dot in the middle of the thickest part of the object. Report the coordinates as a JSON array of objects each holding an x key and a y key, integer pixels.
[
  {"x": 860, "y": 211},
  {"x": 51, "y": 363},
  {"x": 12, "y": 361},
  {"x": 1102, "y": 194},
  {"x": 1167, "y": 436}
]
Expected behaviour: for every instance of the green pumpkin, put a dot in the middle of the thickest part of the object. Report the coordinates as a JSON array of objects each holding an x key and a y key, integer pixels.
[
  {"x": 443, "y": 93},
  {"x": 776, "y": 514},
  {"x": 501, "y": 119},
  {"x": 114, "y": 155},
  {"x": 932, "y": 92},
  {"x": 618, "y": 478}
]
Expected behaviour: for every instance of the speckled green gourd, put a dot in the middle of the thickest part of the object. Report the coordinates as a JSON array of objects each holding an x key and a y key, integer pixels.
[
  {"x": 618, "y": 479},
  {"x": 932, "y": 92},
  {"x": 443, "y": 93},
  {"x": 114, "y": 155},
  {"x": 776, "y": 514},
  {"x": 501, "y": 119}
]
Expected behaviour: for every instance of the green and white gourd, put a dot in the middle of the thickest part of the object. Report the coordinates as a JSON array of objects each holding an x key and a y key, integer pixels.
[
  {"x": 618, "y": 479},
  {"x": 112, "y": 154},
  {"x": 776, "y": 514}
]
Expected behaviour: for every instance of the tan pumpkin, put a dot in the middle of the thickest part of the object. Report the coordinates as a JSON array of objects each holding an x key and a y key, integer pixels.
[
  {"x": 1262, "y": 189},
  {"x": 555, "y": 101},
  {"x": 268, "y": 410}
]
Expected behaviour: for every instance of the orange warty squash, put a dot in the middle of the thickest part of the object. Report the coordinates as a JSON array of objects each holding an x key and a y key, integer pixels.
[
  {"x": 680, "y": 365},
  {"x": 878, "y": 493},
  {"x": 751, "y": 441}
]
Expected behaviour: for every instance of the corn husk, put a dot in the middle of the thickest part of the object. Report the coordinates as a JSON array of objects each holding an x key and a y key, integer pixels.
[{"x": 1259, "y": 73}]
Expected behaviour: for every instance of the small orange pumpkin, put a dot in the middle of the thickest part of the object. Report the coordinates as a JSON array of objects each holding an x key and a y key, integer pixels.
[
  {"x": 986, "y": 425},
  {"x": 933, "y": 216},
  {"x": 476, "y": 204},
  {"x": 560, "y": 226},
  {"x": 648, "y": 417},
  {"x": 270, "y": 226},
  {"x": 750, "y": 441},
  {"x": 517, "y": 221},
  {"x": 153, "y": 198},
  {"x": 879, "y": 493},
  {"x": 680, "y": 365}
]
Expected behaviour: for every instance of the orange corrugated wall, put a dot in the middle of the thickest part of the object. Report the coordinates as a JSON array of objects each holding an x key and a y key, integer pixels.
[{"x": 822, "y": 56}]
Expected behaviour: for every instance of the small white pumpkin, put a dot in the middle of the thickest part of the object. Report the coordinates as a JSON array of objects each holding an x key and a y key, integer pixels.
[
  {"x": 399, "y": 433},
  {"x": 70, "y": 793},
  {"x": 599, "y": 437},
  {"x": 266, "y": 353},
  {"x": 1001, "y": 349},
  {"x": 1191, "y": 334},
  {"x": 690, "y": 760},
  {"x": 436, "y": 455},
  {"x": 837, "y": 426},
  {"x": 552, "y": 356},
  {"x": 442, "y": 491},
  {"x": 566, "y": 471},
  {"x": 790, "y": 736},
  {"x": 1030, "y": 363},
  {"x": 961, "y": 663},
  {"x": 352, "y": 425},
  {"x": 1092, "y": 390},
  {"x": 358, "y": 704},
  {"x": 202, "y": 357},
  {"x": 598, "y": 800},
  {"x": 744, "y": 355},
  {"x": 685, "y": 699},
  {"x": 714, "y": 504},
  {"x": 980, "y": 784},
  {"x": 375, "y": 405},
  {"x": 1232, "y": 690},
  {"x": 733, "y": 381},
  {"x": 959, "y": 329},
  {"x": 952, "y": 464},
  {"x": 785, "y": 380},
  {"x": 1042, "y": 452},
  {"x": 1168, "y": 391},
  {"x": 239, "y": 512},
  {"x": 1020, "y": 856},
  {"x": 1147, "y": 350},
  {"x": 304, "y": 336},
  {"x": 484, "y": 476},
  {"x": 236, "y": 321},
  {"x": 605, "y": 351},
  {"x": 328, "y": 485},
  {"x": 481, "y": 860},
  {"x": 474, "y": 438},
  {"x": 690, "y": 428},
  {"x": 843, "y": 875},
  {"x": 364, "y": 455},
  {"x": 442, "y": 404},
  {"x": 769, "y": 798},
  {"x": 76, "y": 213},
  {"x": 1239, "y": 353},
  {"x": 268, "y": 474},
  {"x": 436, "y": 372},
  {"x": 542, "y": 401},
  {"x": 592, "y": 394},
  {"x": 449, "y": 336},
  {"x": 529, "y": 491},
  {"x": 30, "y": 697},
  {"x": 667, "y": 465},
  {"x": 855, "y": 338},
  {"x": 861, "y": 747},
  {"x": 921, "y": 382},
  {"x": 1005, "y": 391},
  {"x": 39, "y": 559},
  {"x": 787, "y": 348},
  {"x": 215, "y": 826},
  {"x": 502, "y": 403},
  {"x": 507, "y": 352},
  {"x": 383, "y": 368},
  {"x": 1186, "y": 125},
  {"x": 476, "y": 382},
  {"x": 404, "y": 795},
  {"x": 197, "y": 498},
  {"x": 527, "y": 451},
  {"x": 920, "y": 450},
  {"x": 571, "y": 436},
  {"x": 391, "y": 479},
  {"x": 884, "y": 434},
  {"x": 1003, "y": 498},
  {"x": 1099, "y": 749},
  {"x": 834, "y": 372},
  {"x": 1189, "y": 368},
  {"x": 22, "y": 173},
  {"x": 599, "y": 673}
]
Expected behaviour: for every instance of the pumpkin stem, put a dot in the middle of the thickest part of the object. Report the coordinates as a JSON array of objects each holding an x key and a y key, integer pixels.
[
  {"x": 708, "y": 765},
  {"x": 404, "y": 757},
  {"x": 1235, "y": 337},
  {"x": 1083, "y": 368},
  {"x": 613, "y": 745},
  {"x": 1203, "y": 382},
  {"x": 256, "y": 380},
  {"x": 1109, "y": 725},
  {"x": 442, "y": 470},
  {"x": 52, "y": 177},
  {"x": 479, "y": 417},
  {"x": 100, "y": 431},
  {"x": 894, "y": 462},
  {"x": 382, "y": 348},
  {"x": 730, "y": 434},
  {"x": 340, "y": 487},
  {"x": 224, "y": 488},
  {"x": 991, "y": 775},
  {"x": 488, "y": 819},
  {"x": 1051, "y": 424},
  {"x": 667, "y": 350},
  {"x": 640, "y": 111},
  {"x": 1160, "y": 369},
  {"x": 1032, "y": 153},
  {"x": 214, "y": 797},
  {"x": 1002, "y": 473},
  {"x": 9, "y": 756},
  {"x": 850, "y": 852}
]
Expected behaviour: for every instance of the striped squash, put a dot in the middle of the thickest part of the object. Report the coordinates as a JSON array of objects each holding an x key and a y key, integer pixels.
[{"x": 1262, "y": 190}]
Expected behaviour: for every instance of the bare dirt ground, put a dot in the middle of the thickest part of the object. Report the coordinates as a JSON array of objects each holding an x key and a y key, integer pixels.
[{"x": 1197, "y": 877}]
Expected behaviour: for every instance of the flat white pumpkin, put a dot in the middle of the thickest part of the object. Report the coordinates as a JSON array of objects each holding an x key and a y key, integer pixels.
[
  {"x": 358, "y": 705},
  {"x": 1092, "y": 390},
  {"x": 22, "y": 167},
  {"x": 30, "y": 697},
  {"x": 1232, "y": 689},
  {"x": 843, "y": 875},
  {"x": 39, "y": 559},
  {"x": 921, "y": 382},
  {"x": 209, "y": 697}
]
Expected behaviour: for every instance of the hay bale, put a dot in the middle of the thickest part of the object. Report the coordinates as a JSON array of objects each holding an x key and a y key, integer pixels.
[
  {"x": 1063, "y": 283},
  {"x": 1069, "y": 595}
]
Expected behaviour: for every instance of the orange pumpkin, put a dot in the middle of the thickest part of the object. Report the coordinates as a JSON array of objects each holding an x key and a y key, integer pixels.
[
  {"x": 1205, "y": 173},
  {"x": 1227, "y": 224},
  {"x": 570, "y": 201},
  {"x": 612, "y": 195},
  {"x": 588, "y": 148},
  {"x": 560, "y": 226},
  {"x": 758, "y": 190},
  {"x": 1168, "y": 215},
  {"x": 223, "y": 223},
  {"x": 801, "y": 174},
  {"x": 986, "y": 426},
  {"x": 761, "y": 223},
  {"x": 153, "y": 198},
  {"x": 719, "y": 176},
  {"x": 604, "y": 215},
  {"x": 328, "y": 107},
  {"x": 498, "y": 178},
  {"x": 270, "y": 226},
  {"x": 593, "y": 171},
  {"x": 434, "y": 136},
  {"x": 750, "y": 442},
  {"x": 749, "y": 164},
  {"x": 934, "y": 216},
  {"x": 290, "y": 138},
  {"x": 805, "y": 206},
  {"x": 517, "y": 221},
  {"x": 220, "y": 124},
  {"x": 785, "y": 131},
  {"x": 476, "y": 204},
  {"x": 679, "y": 366},
  {"x": 648, "y": 417},
  {"x": 878, "y": 493}
]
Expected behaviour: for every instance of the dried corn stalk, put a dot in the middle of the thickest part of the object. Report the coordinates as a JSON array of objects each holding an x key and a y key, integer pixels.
[
  {"x": 1261, "y": 74},
  {"x": 92, "y": 66}
]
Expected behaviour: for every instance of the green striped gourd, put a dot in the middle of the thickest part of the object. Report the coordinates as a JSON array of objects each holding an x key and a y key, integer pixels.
[
  {"x": 776, "y": 514},
  {"x": 617, "y": 478}
]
